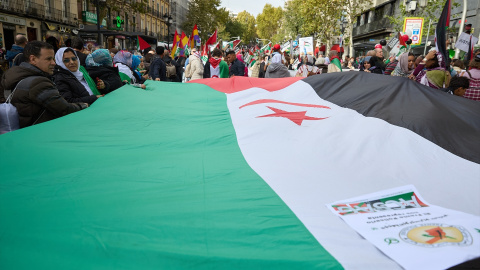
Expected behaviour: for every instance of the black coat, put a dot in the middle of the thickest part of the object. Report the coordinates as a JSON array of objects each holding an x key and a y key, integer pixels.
[
  {"x": 109, "y": 76},
  {"x": 70, "y": 88}
]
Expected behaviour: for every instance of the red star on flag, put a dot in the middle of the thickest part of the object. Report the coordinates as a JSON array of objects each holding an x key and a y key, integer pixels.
[{"x": 296, "y": 117}]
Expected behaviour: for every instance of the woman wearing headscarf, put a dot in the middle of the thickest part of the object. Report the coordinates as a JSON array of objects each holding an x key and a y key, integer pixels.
[
  {"x": 371, "y": 65},
  {"x": 405, "y": 66},
  {"x": 435, "y": 75},
  {"x": 194, "y": 69},
  {"x": 100, "y": 67},
  {"x": 308, "y": 69},
  {"x": 72, "y": 80},
  {"x": 126, "y": 64},
  {"x": 277, "y": 69}
]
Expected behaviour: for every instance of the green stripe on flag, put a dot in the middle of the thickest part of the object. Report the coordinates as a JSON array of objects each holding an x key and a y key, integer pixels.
[{"x": 144, "y": 180}]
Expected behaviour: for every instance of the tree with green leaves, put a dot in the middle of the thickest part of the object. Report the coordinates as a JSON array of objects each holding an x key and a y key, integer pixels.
[
  {"x": 293, "y": 18},
  {"x": 321, "y": 18},
  {"x": 232, "y": 28},
  {"x": 208, "y": 16},
  {"x": 268, "y": 21},
  {"x": 353, "y": 9},
  {"x": 249, "y": 29}
]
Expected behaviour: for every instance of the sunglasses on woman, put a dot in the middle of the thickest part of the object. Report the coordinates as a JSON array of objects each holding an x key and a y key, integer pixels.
[{"x": 66, "y": 60}]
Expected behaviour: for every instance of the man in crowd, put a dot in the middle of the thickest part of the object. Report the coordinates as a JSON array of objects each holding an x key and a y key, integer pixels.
[
  {"x": 15, "y": 55},
  {"x": 379, "y": 54},
  {"x": 77, "y": 45},
  {"x": 237, "y": 68},
  {"x": 458, "y": 86},
  {"x": 174, "y": 70},
  {"x": 392, "y": 64},
  {"x": 158, "y": 68},
  {"x": 36, "y": 97}
]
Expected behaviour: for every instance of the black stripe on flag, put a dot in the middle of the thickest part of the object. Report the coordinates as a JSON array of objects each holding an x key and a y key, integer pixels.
[{"x": 450, "y": 121}]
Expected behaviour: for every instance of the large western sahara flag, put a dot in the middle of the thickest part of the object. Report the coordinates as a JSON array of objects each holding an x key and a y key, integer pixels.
[{"x": 230, "y": 173}]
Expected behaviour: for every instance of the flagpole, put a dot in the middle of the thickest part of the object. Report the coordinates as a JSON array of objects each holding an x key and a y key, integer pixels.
[
  {"x": 460, "y": 30},
  {"x": 428, "y": 33}
]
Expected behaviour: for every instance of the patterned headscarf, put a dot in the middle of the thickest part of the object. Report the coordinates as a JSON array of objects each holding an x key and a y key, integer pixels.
[
  {"x": 123, "y": 57},
  {"x": 99, "y": 58}
]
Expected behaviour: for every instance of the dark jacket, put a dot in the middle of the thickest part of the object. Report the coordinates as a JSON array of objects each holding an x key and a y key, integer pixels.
[
  {"x": 81, "y": 57},
  {"x": 70, "y": 88},
  {"x": 12, "y": 53},
  {"x": 261, "y": 72},
  {"x": 158, "y": 69},
  {"x": 178, "y": 69},
  {"x": 37, "y": 100},
  {"x": 237, "y": 68},
  {"x": 109, "y": 76}
]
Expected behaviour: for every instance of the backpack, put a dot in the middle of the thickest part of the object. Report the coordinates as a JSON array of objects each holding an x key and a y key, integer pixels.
[
  {"x": 9, "y": 120},
  {"x": 171, "y": 70}
]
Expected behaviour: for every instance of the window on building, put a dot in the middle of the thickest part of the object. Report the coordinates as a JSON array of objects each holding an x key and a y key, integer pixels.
[
  {"x": 162, "y": 10},
  {"x": 134, "y": 23},
  {"x": 362, "y": 19},
  {"x": 84, "y": 5},
  {"x": 126, "y": 22},
  {"x": 141, "y": 24},
  {"x": 65, "y": 8},
  {"x": 48, "y": 7}
]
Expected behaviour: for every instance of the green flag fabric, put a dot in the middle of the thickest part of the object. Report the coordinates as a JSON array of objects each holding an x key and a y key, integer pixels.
[
  {"x": 236, "y": 174},
  {"x": 144, "y": 180}
]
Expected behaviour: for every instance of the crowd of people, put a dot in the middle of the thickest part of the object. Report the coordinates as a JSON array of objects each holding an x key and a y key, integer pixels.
[{"x": 46, "y": 81}]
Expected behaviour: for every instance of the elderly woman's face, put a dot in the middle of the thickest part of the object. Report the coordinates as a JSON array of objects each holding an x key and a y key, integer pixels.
[{"x": 71, "y": 61}]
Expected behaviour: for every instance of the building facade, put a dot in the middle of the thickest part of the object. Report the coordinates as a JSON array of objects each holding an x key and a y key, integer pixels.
[
  {"x": 373, "y": 25},
  {"x": 123, "y": 24},
  {"x": 37, "y": 19}
]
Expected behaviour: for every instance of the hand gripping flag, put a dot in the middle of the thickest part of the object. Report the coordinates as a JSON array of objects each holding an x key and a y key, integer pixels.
[
  {"x": 441, "y": 33},
  {"x": 142, "y": 44},
  {"x": 235, "y": 174}
]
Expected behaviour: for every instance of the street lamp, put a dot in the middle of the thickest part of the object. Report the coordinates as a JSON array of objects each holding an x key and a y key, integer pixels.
[
  {"x": 168, "y": 20},
  {"x": 344, "y": 26},
  {"x": 99, "y": 35}
]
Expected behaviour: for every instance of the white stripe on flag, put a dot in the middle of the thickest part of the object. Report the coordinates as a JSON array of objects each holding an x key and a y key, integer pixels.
[{"x": 343, "y": 156}]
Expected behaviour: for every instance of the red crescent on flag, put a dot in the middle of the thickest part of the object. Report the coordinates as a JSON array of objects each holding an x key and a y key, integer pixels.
[{"x": 262, "y": 101}]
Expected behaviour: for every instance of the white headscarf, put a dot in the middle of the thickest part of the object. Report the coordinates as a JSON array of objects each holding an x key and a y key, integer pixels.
[{"x": 78, "y": 74}]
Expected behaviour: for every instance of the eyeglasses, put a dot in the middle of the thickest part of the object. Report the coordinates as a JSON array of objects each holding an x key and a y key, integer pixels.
[{"x": 66, "y": 60}]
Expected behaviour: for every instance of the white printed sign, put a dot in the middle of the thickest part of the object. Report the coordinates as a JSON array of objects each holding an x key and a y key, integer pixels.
[
  {"x": 414, "y": 233},
  {"x": 464, "y": 41},
  {"x": 306, "y": 45}
]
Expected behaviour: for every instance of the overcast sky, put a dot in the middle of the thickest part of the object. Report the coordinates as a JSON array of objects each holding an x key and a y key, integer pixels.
[{"x": 254, "y": 7}]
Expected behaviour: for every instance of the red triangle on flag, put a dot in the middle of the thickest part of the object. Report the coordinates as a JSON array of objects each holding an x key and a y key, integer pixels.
[{"x": 142, "y": 44}]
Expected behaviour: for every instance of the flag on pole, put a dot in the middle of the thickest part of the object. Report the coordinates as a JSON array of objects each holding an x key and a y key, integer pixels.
[
  {"x": 183, "y": 42},
  {"x": 195, "y": 37},
  {"x": 266, "y": 49},
  {"x": 142, "y": 44},
  {"x": 212, "y": 40},
  {"x": 441, "y": 33},
  {"x": 235, "y": 173},
  {"x": 204, "y": 54},
  {"x": 176, "y": 39},
  {"x": 469, "y": 55},
  {"x": 233, "y": 44}
]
